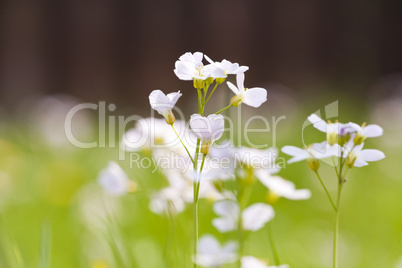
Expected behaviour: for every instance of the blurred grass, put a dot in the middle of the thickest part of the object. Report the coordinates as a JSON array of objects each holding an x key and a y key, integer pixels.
[{"x": 52, "y": 209}]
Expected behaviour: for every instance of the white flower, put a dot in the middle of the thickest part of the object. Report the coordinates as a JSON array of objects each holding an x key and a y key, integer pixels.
[
  {"x": 253, "y": 262},
  {"x": 253, "y": 218},
  {"x": 253, "y": 97},
  {"x": 114, "y": 180},
  {"x": 315, "y": 151},
  {"x": 366, "y": 131},
  {"x": 152, "y": 133},
  {"x": 333, "y": 130},
  {"x": 227, "y": 66},
  {"x": 258, "y": 158},
  {"x": 168, "y": 200},
  {"x": 212, "y": 254},
  {"x": 358, "y": 157},
  {"x": 207, "y": 129},
  {"x": 281, "y": 187},
  {"x": 164, "y": 104},
  {"x": 190, "y": 67},
  {"x": 194, "y": 58}
]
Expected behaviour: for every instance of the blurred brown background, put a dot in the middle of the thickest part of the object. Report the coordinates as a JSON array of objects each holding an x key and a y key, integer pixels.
[{"x": 121, "y": 50}]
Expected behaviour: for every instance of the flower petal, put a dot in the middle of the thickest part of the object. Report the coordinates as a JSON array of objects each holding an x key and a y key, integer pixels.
[
  {"x": 371, "y": 155},
  {"x": 256, "y": 216},
  {"x": 372, "y": 131},
  {"x": 318, "y": 123},
  {"x": 254, "y": 97},
  {"x": 233, "y": 88},
  {"x": 240, "y": 81}
]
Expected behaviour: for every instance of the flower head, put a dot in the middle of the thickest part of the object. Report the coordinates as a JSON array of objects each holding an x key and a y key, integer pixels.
[
  {"x": 114, "y": 180},
  {"x": 253, "y": 97},
  {"x": 357, "y": 157},
  {"x": 366, "y": 131},
  {"x": 164, "y": 104},
  {"x": 281, "y": 187},
  {"x": 253, "y": 218},
  {"x": 207, "y": 129},
  {"x": 336, "y": 132},
  {"x": 212, "y": 254},
  {"x": 227, "y": 67},
  {"x": 190, "y": 67}
]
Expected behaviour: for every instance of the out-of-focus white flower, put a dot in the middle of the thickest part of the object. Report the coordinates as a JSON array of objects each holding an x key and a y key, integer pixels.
[
  {"x": 334, "y": 130},
  {"x": 366, "y": 131},
  {"x": 190, "y": 67},
  {"x": 207, "y": 129},
  {"x": 168, "y": 201},
  {"x": 257, "y": 158},
  {"x": 253, "y": 262},
  {"x": 164, "y": 104},
  {"x": 358, "y": 157},
  {"x": 153, "y": 133},
  {"x": 253, "y": 97},
  {"x": 281, "y": 187},
  {"x": 227, "y": 66},
  {"x": 212, "y": 254},
  {"x": 315, "y": 151},
  {"x": 253, "y": 218},
  {"x": 114, "y": 180}
]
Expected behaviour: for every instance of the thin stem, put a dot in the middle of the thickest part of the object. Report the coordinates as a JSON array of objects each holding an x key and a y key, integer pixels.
[
  {"x": 227, "y": 107},
  {"x": 210, "y": 94},
  {"x": 326, "y": 191},
  {"x": 185, "y": 147},
  {"x": 336, "y": 170},
  {"x": 273, "y": 247},
  {"x": 337, "y": 212}
]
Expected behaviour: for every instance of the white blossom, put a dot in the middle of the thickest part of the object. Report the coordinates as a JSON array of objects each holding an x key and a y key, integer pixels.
[
  {"x": 253, "y": 97},
  {"x": 212, "y": 254},
  {"x": 253, "y": 262},
  {"x": 114, "y": 180}
]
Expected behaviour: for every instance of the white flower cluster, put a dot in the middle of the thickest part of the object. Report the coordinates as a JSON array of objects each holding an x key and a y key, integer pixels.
[
  {"x": 195, "y": 167},
  {"x": 345, "y": 141}
]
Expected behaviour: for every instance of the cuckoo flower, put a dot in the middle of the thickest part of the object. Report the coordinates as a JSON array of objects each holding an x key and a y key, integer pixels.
[
  {"x": 190, "y": 67},
  {"x": 312, "y": 153},
  {"x": 356, "y": 156},
  {"x": 334, "y": 130},
  {"x": 227, "y": 67},
  {"x": 164, "y": 104},
  {"x": 366, "y": 131},
  {"x": 253, "y": 97},
  {"x": 281, "y": 187},
  {"x": 207, "y": 129},
  {"x": 114, "y": 180},
  {"x": 212, "y": 254},
  {"x": 253, "y": 218}
]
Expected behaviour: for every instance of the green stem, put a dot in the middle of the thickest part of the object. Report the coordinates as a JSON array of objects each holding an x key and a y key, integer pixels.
[
  {"x": 189, "y": 155},
  {"x": 273, "y": 247},
  {"x": 326, "y": 191},
  {"x": 227, "y": 107},
  {"x": 210, "y": 94},
  {"x": 337, "y": 212}
]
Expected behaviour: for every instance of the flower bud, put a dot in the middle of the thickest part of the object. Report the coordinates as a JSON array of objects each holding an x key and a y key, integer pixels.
[
  {"x": 209, "y": 81},
  {"x": 271, "y": 197},
  {"x": 220, "y": 80},
  {"x": 332, "y": 138},
  {"x": 198, "y": 83},
  {"x": 313, "y": 163},
  {"x": 350, "y": 161},
  {"x": 359, "y": 139},
  {"x": 132, "y": 187},
  {"x": 344, "y": 139},
  {"x": 169, "y": 118},
  {"x": 236, "y": 100},
  {"x": 205, "y": 147}
]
